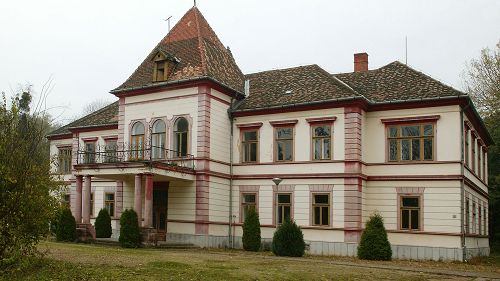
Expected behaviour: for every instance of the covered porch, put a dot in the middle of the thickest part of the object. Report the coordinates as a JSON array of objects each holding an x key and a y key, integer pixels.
[{"x": 150, "y": 184}]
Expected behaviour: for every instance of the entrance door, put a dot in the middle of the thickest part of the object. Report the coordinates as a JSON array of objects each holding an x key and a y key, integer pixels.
[{"x": 160, "y": 206}]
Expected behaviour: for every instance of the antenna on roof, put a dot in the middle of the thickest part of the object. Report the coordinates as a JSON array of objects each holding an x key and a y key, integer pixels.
[
  {"x": 406, "y": 50},
  {"x": 195, "y": 3},
  {"x": 168, "y": 20}
]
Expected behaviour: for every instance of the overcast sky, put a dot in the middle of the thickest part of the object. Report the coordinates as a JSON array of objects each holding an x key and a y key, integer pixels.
[{"x": 90, "y": 47}]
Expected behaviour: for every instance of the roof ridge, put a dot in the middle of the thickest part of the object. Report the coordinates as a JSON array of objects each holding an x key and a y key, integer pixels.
[
  {"x": 281, "y": 69},
  {"x": 201, "y": 46},
  {"x": 90, "y": 114},
  {"x": 428, "y": 76}
]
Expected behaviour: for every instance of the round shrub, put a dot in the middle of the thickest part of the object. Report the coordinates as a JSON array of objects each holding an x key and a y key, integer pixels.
[
  {"x": 251, "y": 231},
  {"x": 288, "y": 240},
  {"x": 374, "y": 244},
  {"x": 66, "y": 226},
  {"x": 130, "y": 234},
  {"x": 103, "y": 224}
]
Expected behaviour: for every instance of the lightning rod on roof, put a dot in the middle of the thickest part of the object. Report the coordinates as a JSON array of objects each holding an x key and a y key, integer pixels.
[
  {"x": 168, "y": 20},
  {"x": 406, "y": 50}
]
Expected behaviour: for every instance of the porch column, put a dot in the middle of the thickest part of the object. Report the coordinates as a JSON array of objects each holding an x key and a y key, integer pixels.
[
  {"x": 148, "y": 202},
  {"x": 138, "y": 197},
  {"x": 86, "y": 200},
  {"x": 78, "y": 199}
]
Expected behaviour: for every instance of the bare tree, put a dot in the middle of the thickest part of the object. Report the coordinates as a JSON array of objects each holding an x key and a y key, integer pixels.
[
  {"x": 95, "y": 105},
  {"x": 482, "y": 81}
]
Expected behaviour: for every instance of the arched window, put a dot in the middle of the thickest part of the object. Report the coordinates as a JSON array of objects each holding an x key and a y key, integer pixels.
[
  {"x": 181, "y": 129},
  {"x": 137, "y": 141},
  {"x": 158, "y": 140}
]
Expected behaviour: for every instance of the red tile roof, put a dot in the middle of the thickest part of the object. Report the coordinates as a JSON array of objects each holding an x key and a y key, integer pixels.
[{"x": 200, "y": 54}]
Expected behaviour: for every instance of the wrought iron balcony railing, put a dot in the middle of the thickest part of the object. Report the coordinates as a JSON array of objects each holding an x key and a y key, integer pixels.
[{"x": 127, "y": 153}]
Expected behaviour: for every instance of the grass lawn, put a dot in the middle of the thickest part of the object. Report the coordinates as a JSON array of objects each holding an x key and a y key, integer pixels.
[{"x": 66, "y": 261}]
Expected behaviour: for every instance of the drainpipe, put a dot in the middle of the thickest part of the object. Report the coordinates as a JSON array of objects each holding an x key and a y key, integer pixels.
[
  {"x": 462, "y": 181},
  {"x": 230, "y": 230}
]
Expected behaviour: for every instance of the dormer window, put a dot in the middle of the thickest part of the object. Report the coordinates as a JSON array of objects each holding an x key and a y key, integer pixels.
[{"x": 163, "y": 64}]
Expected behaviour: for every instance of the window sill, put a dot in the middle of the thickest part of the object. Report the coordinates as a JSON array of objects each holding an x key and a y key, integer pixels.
[{"x": 411, "y": 162}]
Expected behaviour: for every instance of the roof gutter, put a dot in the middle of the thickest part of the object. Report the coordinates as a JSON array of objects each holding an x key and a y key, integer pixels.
[
  {"x": 175, "y": 82},
  {"x": 301, "y": 104}
]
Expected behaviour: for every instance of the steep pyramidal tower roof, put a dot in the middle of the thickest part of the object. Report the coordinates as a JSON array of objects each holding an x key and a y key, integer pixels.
[{"x": 199, "y": 51}]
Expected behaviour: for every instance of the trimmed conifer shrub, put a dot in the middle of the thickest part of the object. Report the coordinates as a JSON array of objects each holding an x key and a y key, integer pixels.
[
  {"x": 251, "y": 232},
  {"x": 103, "y": 224},
  {"x": 66, "y": 226},
  {"x": 130, "y": 234},
  {"x": 374, "y": 244},
  {"x": 288, "y": 240}
]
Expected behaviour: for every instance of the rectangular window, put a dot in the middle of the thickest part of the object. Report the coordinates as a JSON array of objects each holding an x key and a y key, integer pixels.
[
  {"x": 250, "y": 145},
  {"x": 410, "y": 213},
  {"x": 110, "y": 149},
  {"x": 248, "y": 202},
  {"x": 479, "y": 161},
  {"x": 284, "y": 143},
  {"x": 466, "y": 147},
  {"x": 411, "y": 142},
  {"x": 283, "y": 207},
  {"x": 485, "y": 220},
  {"x": 480, "y": 220},
  {"x": 484, "y": 165},
  {"x": 109, "y": 203},
  {"x": 89, "y": 152},
  {"x": 321, "y": 209},
  {"x": 66, "y": 201},
  {"x": 474, "y": 217},
  {"x": 467, "y": 216},
  {"x": 91, "y": 204},
  {"x": 64, "y": 160},
  {"x": 322, "y": 142},
  {"x": 473, "y": 154}
]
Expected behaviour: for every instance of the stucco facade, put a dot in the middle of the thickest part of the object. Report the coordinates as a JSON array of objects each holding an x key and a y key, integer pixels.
[{"x": 209, "y": 171}]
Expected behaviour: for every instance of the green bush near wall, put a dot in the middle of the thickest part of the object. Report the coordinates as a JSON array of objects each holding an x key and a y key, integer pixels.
[
  {"x": 130, "y": 234},
  {"x": 251, "y": 232},
  {"x": 374, "y": 244},
  {"x": 103, "y": 224},
  {"x": 288, "y": 240},
  {"x": 66, "y": 226}
]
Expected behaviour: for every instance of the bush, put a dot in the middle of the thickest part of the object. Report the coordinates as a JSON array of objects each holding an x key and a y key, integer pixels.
[
  {"x": 103, "y": 224},
  {"x": 251, "y": 231},
  {"x": 130, "y": 235},
  {"x": 374, "y": 244},
  {"x": 288, "y": 240},
  {"x": 66, "y": 226}
]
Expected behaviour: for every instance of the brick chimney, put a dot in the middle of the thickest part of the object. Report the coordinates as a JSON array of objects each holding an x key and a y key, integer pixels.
[{"x": 361, "y": 62}]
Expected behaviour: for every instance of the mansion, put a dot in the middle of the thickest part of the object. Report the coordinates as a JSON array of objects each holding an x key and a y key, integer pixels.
[{"x": 192, "y": 144}]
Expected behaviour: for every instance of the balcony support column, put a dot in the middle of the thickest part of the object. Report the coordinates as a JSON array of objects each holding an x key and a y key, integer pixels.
[
  {"x": 148, "y": 202},
  {"x": 78, "y": 199},
  {"x": 138, "y": 197},
  {"x": 87, "y": 190}
]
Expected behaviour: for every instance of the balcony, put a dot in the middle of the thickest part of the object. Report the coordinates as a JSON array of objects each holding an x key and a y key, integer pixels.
[{"x": 122, "y": 155}]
